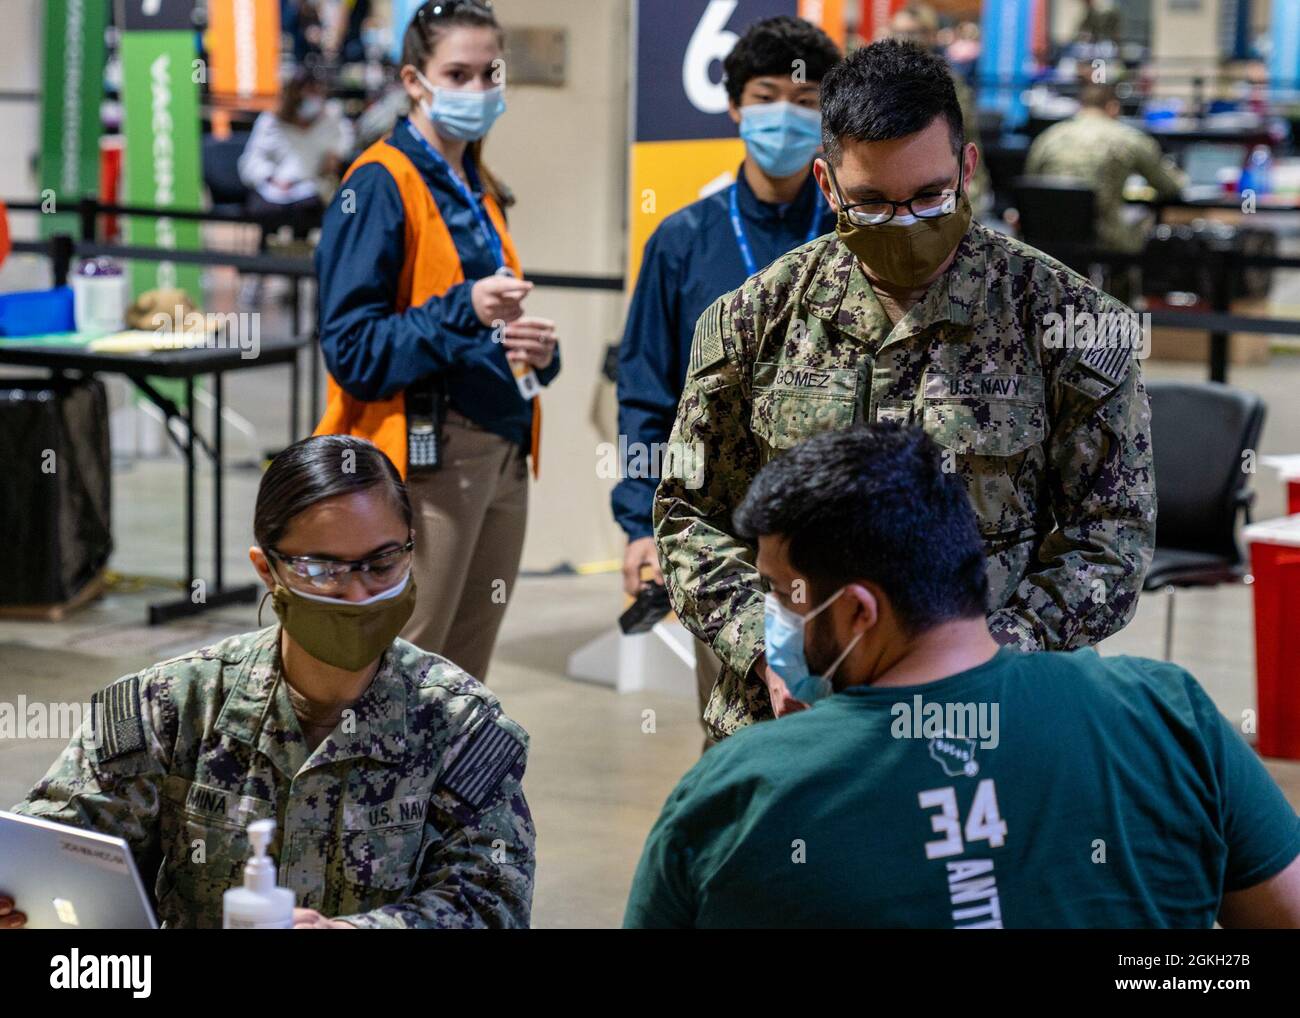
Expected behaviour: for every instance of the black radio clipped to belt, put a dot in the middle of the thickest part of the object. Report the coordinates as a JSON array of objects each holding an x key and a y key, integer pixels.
[{"x": 426, "y": 408}]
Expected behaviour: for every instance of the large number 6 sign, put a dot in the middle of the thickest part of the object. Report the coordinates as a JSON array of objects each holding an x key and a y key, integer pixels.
[{"x": 709, "y": 42}]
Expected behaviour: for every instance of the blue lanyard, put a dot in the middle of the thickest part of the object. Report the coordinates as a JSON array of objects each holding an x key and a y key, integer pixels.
[
  {"x": 484, "y": 224},
  {"x": 742, "y": 242}
]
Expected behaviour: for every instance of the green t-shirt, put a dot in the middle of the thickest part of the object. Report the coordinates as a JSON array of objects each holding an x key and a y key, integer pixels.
[{"x": 1037, "y": 790}]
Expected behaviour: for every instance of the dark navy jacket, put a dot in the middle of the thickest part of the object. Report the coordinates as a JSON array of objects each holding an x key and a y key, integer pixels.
[
  {"x": 690, "y": 261},
  {"x": 358, "y": 264}
]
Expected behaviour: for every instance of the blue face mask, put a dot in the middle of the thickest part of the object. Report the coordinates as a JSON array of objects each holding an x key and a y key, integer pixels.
[
  {"x": 783, "y": 633},
  {"x": 460, "y": 114},
  {"x": 782, "y": 137}
]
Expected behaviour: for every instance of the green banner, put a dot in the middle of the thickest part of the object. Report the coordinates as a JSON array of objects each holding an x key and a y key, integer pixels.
[
  {"x": 160, "y": 100},
  {"x": 73, "y": 87}
]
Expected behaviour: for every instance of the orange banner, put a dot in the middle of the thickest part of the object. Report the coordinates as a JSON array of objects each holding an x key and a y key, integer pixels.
[
  {"x": 1039, "y": 42},
  {"x": 244, "y": 47},
  {"x": 826, "y": 14}
]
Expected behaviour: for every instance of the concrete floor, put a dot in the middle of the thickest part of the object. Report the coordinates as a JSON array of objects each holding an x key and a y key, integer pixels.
[{"x": 595, "y": 780}]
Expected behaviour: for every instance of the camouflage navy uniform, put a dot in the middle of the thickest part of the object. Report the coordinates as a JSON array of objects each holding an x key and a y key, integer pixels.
[
  {"x": 409, "y": 814},
  {"x": 1098, "y": 26},
  {"x": 1102, "y": 153},
  {"x": 1053, "y": 443}
]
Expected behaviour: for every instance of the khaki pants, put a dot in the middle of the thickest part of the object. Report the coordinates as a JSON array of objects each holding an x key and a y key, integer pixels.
[
  {"x": 707, "y": 669},
  {"x": 469, "y": 519}
]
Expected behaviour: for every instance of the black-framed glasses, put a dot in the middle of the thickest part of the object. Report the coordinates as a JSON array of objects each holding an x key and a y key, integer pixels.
[
  {"x": 446, "y": 8},
  {"x": 879, "y": 211},
  {"x": 331, "y": 576}
]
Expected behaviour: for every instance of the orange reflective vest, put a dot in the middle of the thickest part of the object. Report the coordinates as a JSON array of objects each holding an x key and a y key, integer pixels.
[{"x": 432, "y": 268}]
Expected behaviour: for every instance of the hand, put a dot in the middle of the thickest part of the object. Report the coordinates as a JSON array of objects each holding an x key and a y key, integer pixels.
[
  {"x": 530, "y": 341},
  {"x": 779, "y": 693},
  {"x": 9, "y": 919},
  {"x": 641, "y": 552},
  {"x": 498, "y": 298},
  {"x": 310, "y": 919}
]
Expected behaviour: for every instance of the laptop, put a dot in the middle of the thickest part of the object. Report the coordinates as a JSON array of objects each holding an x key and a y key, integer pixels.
[
  {"x": 1206, "y": 162},
  {"x": 66, "y": 878}
]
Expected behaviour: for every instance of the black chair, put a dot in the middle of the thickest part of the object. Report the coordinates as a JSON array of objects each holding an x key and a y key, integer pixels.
[
  {"x": 1199, "y": 433},
  {"x": 1058, "y": 215},
  {"x": 221, "y": 173}
]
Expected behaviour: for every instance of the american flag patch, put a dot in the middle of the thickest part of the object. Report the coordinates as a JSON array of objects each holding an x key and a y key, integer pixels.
[
  {"x": 115, "y": 719},
  {"x": 1109, "y": 361},
  {"x": 706, "y": 347},
  {"x": 482, "y": 764}
]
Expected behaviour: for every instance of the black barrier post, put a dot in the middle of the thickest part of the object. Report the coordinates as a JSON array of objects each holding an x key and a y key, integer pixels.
[
  {"x": 313, "y": 351},
  {"x": 87, "y": 214},
  {"x": 1221, "y": 302},
  {"x": 191, "y": 566},
  {"x": 295, "y": 383},
  {"x": 62, "y": 249},
  {"x": 218, "y": 450}
]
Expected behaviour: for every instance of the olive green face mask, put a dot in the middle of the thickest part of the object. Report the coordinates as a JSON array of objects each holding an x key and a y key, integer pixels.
[
  {"x": 906, "y": 256},
  {"x": 345, "y": 634}
]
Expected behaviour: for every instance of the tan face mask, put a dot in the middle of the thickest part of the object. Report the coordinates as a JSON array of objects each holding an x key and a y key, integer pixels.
[
  {"x": 345, "y": 634},
  {"x": 906, "y": 256}
]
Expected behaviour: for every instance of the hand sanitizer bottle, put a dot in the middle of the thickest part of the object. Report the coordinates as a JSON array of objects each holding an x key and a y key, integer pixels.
[{"x": 259, "y": 904}]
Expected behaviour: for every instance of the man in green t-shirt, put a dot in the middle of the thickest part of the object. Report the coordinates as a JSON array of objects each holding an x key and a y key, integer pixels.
[{"x": 937, "y": 780}]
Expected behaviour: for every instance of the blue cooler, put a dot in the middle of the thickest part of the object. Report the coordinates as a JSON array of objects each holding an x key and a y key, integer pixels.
[{"x": 37, "y": 312}]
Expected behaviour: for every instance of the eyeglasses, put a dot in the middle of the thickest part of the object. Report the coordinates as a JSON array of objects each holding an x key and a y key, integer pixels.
[
  {"x": 881, "y": 210},
  {"x": 331, "y": 576},
  {"x": 447, "y": 8}
]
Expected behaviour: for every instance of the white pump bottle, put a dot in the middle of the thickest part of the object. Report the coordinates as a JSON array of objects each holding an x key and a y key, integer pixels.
[{"x": 259, "y": 904}]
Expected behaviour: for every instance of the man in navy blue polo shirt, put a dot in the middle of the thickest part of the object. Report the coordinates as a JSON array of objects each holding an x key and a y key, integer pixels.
[{"x": 773, "y": 81}]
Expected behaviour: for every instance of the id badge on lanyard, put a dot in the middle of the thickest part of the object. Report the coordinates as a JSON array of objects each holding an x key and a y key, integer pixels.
[{"x": 742, "y": 242}]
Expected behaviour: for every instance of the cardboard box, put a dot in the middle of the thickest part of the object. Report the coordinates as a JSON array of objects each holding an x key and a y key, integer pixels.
[{"x": 1169, "y": 344}]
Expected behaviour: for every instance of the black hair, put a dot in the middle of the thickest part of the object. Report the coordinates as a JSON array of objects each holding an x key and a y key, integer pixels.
[
  {"x": 873, "y": 503},
  {"x": 317, "y": 468},
  {"x": 772, "y": 46},
  {"x": 888, "y": 90},
  {"x": 291, "y": 96}
]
